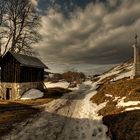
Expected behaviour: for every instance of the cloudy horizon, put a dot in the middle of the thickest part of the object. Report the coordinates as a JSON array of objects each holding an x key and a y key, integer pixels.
[{"x": 90, "y": 36}]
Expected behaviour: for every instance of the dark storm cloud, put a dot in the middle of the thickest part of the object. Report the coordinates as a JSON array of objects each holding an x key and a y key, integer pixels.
[
  {"x": 65, "y": 6},
  {"x": 101, "y": 33}
]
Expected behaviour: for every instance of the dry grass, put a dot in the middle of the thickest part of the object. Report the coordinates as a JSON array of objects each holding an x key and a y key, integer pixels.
[
  {"x": 35, "y": 101},
  {"x": 56, "y": 92},
  {"x": 110, "y": 108},
  {"x": 19, "y": 103},
  {"x": 16, "y": 115},
  {"x": 126, "y": 87},
  {"x": 8, "y": 118},
  {"x": 123, "y": 126}
]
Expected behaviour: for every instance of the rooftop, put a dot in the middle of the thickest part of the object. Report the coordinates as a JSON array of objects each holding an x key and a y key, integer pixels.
[{"x": 29, "y": 61}]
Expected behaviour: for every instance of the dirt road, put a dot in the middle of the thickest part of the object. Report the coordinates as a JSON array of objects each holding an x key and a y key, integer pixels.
[{"x": 72, "y": 117}]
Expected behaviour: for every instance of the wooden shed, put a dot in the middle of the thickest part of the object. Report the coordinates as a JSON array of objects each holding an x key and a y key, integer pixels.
[{"x": 19, "y": 73}]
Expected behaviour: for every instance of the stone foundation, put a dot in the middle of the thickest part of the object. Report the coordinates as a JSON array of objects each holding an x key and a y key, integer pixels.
[{"x": 16, "y": 90}]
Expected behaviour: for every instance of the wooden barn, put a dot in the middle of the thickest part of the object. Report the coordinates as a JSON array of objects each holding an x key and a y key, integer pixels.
[{"x": 19, "y": 73}]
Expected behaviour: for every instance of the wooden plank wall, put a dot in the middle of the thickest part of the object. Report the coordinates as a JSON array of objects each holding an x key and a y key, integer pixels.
[
  {"x": 13, "y": 72},
  {"x": 10, "y": 70}
]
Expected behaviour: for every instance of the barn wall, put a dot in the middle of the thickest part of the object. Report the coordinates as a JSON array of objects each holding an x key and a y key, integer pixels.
[
  {"x": 29, "y": 74},
  {"x": 17, "y": 89},
  {"x": 10, "y": 69}
]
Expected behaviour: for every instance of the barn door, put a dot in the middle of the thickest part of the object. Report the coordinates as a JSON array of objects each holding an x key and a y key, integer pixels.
[{"x": 8, "y": 93}]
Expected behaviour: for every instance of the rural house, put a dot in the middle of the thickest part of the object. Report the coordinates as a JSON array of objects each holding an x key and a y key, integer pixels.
[{"x": 19, "y": 73}]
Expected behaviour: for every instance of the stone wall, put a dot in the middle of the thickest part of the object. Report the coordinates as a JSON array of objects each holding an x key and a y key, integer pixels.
[
  {"x": 13, "y": 87},
  {"x": 18, "y": 89}
]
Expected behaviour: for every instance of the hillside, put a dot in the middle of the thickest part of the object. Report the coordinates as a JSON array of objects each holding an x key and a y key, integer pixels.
[{"x": 121, "y": 96}]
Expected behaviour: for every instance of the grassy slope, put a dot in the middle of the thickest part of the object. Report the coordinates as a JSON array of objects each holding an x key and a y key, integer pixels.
[
  {"x": 129, "y": 88},
  {"x": 122, "y": 125}
]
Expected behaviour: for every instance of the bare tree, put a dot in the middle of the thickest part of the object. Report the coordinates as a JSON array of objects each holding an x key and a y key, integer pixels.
[{"x": 19, "y": 23}]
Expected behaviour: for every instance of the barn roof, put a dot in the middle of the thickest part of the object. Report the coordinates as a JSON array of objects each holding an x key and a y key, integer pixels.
[{"x": 30, "y": 61}]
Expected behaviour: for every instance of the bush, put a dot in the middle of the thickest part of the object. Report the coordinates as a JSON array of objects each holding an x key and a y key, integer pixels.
[{"x": 71, "y": 77}]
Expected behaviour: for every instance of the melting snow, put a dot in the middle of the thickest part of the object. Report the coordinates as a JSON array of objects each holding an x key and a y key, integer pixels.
[
  {"x": 132, "y": 108},
  {"x": 123, "y": 75},
  {"x": 80, "y": 118},
  {"x": 92, "y": 127},
  {"x": 32, "y": 94},
  {"x": 62, "y": 84},
  {"x": 116, "y": 98},
  {"x": 121, "y": 103},
  {"x": 108, "y": 95},
  {"x": 113, "y": 72}
]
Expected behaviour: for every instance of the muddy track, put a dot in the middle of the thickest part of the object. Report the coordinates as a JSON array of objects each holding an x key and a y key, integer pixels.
[{"x": 61, "y": 120}]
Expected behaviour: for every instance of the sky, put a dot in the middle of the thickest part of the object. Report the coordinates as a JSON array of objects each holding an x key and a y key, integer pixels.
[{"x": 87, "y": 35}]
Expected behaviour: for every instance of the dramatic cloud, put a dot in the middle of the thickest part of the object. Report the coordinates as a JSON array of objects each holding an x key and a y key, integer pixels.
[{"x": 101, "y": 33}]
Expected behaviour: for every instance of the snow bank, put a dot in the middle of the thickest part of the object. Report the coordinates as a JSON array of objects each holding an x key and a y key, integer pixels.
[
  {"x": 92, "y": 127},
  {"x": 130, "y": 67},
  {"x": 113, "y": 72},
  {"x": 88, "y": 82},
  {"x": 123, "y": 75},
  {"x": 62, "y": 84},
  {"x": 132, "y": 108},
  {"x": 32, "y": 94},
  {"x": 118, "y": 72},
  {"x": 121, "y": 103}
]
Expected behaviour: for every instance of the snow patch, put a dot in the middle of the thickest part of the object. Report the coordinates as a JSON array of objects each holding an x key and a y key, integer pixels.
[
  {"x": 88, "y": 82},
  {"x": 108, "y": 95},
  {"x": 62, "y": 84},
  {"x": 121, "y": 103},
  {"x": 132, "y": 108},
  {"x": 113, "y": 72},
  {"x": 32, "y": 94},
  {"x": 130, "y": 67},
  {"x": 116, "y": 98},
  {"x": 123, "y": 75}
]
